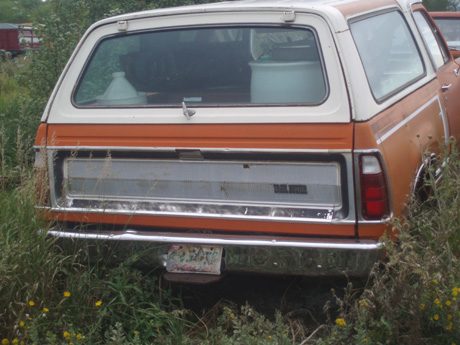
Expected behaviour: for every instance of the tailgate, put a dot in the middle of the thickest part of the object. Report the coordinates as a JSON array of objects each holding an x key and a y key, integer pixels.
[{"x": 295, "y": 185}]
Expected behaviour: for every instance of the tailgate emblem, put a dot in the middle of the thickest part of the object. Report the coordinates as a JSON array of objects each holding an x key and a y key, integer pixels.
[{"x": 290, "y": 188}]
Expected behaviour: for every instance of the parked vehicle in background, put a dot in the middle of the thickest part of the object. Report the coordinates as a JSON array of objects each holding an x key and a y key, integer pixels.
[
  {"x": 269, "y": 137},
  {"x": 16, "y": 38},
  {"x": 449, "y": 24}
]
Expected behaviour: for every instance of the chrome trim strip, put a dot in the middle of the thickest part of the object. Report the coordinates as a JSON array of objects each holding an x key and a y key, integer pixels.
[
  {"x": 445, "y": 122},
  {"x": 51, "y": 176},
  {"x": 133, "y": 235},
  {"x": 203, "y": 149},
  {"x": 406, "y": 120},
  {"x": 375, "y": 222},
  {"x": 200, "y": 215}
]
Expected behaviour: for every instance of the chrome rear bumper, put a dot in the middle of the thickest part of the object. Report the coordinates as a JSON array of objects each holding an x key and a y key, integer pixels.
[{"x": 243, "y": 253}]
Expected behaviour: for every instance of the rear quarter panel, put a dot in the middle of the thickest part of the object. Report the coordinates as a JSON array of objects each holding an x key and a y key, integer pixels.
[{"x": 404, "y": 133}]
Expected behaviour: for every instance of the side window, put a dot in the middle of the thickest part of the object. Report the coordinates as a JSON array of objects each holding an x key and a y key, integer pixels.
[
  {"x": 388, "y": 52},
  {"x": 432, "y": 40}
]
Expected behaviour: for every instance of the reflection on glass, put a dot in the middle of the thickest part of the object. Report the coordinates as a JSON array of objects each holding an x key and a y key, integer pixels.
[{"x": 205, "y": 67}]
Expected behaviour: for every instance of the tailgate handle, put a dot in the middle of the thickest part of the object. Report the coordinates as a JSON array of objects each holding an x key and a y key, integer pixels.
[{"x": 446, "y": 87}]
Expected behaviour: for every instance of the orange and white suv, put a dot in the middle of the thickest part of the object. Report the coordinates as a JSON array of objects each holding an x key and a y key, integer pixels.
[{"x": 271, "y": 137}]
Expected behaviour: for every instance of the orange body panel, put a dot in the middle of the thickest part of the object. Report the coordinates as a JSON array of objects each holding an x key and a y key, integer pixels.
[
  {"x": 209, "y": 223},
  {"x": 41, "y": 138},
  {"x": 374, "y": 232},
  {"x": 403, "y": 133},
  {"x": 256, "y": 136},
  {"x": 362, "y": 7}
]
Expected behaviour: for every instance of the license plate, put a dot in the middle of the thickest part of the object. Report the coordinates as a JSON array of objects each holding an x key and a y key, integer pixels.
[{"x": 194, "y": 259}]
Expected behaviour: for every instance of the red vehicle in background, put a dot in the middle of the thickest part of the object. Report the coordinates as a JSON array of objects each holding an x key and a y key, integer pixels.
[
  {"x": 16, "y": 38},
  {"x": 449, "y": 24}
]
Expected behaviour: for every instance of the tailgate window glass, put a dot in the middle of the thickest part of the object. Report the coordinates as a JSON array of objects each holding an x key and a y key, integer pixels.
[
  {"x": 388, "y": 51},
  {"x": 231, "y": 66}
]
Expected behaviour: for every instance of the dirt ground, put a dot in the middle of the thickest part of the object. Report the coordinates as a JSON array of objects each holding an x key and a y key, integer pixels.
[{"x": 298, "y": 297}]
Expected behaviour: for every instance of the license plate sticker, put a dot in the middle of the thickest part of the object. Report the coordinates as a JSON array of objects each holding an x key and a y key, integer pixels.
[{"x": 194, "y": 259}]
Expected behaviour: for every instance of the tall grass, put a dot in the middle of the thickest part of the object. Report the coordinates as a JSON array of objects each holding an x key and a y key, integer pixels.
[
  {"x": 48, "y": 297},
  {"x": 414, "y": 296},
  {"x": 17, "y": 123}
]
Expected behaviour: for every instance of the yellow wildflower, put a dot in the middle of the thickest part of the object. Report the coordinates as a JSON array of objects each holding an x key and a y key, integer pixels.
[
  {"x": 98, "y": 303},
  {"x": 363, "y": 303},
  {"x": 79, "y": 336},
  {"x": 448, "y": 303},
  {"x": 454, "y": 291},
  {"x": 422, "y": 306},
  {"x": 269, "y": 337},
  {"x": 436, "y": 317},
  {"x": 46, "y": 310},
  {"x": 66, "y": 294},
  {"x": 21, "y": 323},
  {"x": 365, "y": 340},
  {"x": 66, "y": 335},
  {"x": 232, "y": 315},
  {"x": 449, "y": 317},
  {"x": 436, "y": 301},
  {"x": 31, "y": 303},
  {"x": 449, "y": 327},
  {"x": 15, "y": 341},
  {"x": 136, "y": 332},
  {"x": 435, "y": 281},
  {"x": 5, "y": 341},
  {"x": 341, "y": 322}
]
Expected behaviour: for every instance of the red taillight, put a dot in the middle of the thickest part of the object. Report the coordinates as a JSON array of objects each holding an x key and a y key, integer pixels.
[{"x": 374, "y": 192}]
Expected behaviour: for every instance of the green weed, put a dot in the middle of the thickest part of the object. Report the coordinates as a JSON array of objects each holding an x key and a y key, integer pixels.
[
  {"x": 48, "y": 297},
  {"x": 412, "y": 298}
]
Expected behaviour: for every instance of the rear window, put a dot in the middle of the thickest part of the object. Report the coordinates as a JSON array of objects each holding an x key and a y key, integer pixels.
[{"x": 233, "y": 66}]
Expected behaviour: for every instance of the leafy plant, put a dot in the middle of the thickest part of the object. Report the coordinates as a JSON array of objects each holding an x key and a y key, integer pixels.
[{"x": 412, "y": 298}]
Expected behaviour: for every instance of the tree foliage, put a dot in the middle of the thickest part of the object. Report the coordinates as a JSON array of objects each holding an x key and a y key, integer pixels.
[
  {"x": 441, "y": 5},
  {"x": 23, "y": 11},
  {"x": 27, "y": 11},
  {"x": 62, "y": 24}
]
